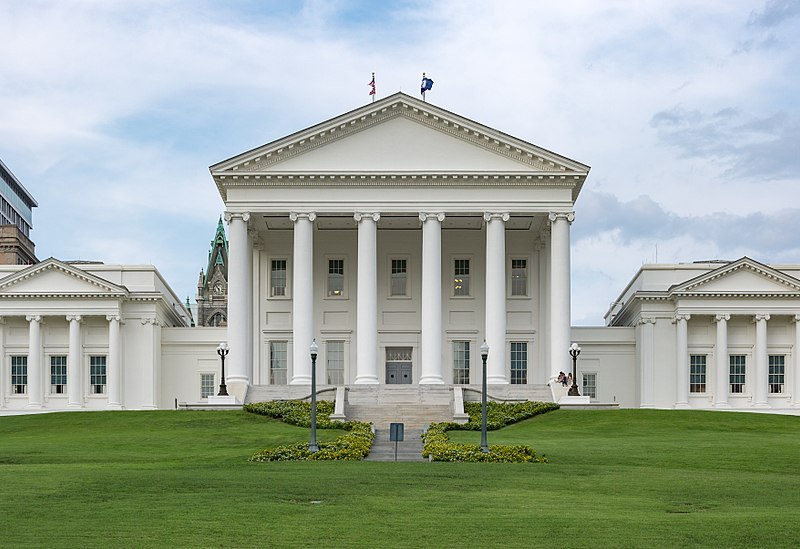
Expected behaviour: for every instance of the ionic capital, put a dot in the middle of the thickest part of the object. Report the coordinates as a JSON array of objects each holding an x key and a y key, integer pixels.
[
  {"x": 228, "y": 216},
  {"x": 74, "y": 318},
  {"x": 569, "y": 216},
  {"x": 647, "y": 320},
  {"x": 682, "y": 316},
  {"x": 150, "y": 320},
  {"x": 503, "y": 216},
  {"x": 425, "y": 216},
  {"x": 113, "y": 317},
  {"x": 294, "y": 216},
  {"x": 358, "y": 216},
  {"x": 796, "y": 318},
  {"x": 760, "y": 316},
  {"x": 33, "y": 318},
  {"x": 720, "y": 317}
]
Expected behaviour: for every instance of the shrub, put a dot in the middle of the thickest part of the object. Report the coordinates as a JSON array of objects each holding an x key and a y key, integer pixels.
[
  {"x": 436, "y": 443},
  {"x": 352, "y": 446}
]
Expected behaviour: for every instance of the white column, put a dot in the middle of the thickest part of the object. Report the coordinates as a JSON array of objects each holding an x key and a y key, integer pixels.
[
  {"x": 367, "y": 308},
  {"x": 796, "y": 362},
  {"x": 722, "y": 367},
  {"x": 560, "y": 293},
  {"x": 647, "y": 350},
  {"x": 762, "y": 361},
  {"x": 114, "y": 373},
  {"x": 431, "y": 351},
  {"x": 5, "y": 376},
  {"x": 34, "y": 361},
  {"x": 238, "y": 371},
  {"x": 302, "y": 296},
  {"x": 682, "y": 355},
  {"x": 74, "y": 363},
  {"x": 496, "y": 296}
]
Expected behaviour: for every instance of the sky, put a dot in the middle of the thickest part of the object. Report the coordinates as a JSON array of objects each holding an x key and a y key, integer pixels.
[{"x": 688, "y": 112}]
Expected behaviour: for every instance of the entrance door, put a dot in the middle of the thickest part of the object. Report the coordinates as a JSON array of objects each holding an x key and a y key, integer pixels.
[{"x": 398, "y": 365}]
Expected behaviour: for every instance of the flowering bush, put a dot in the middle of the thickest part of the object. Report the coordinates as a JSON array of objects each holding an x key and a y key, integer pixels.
[
  {"x": 436, "y": 444},
  {"x": 352, "y": 446}
]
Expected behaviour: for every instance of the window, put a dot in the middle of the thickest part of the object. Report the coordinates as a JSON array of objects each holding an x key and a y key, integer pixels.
[
  {"x": 461, "y": 277},
  {"x": 519, "y": 277},
  {"x": 461, "y": 362},
  {"x": 334, "y": 362},
  {"x": 19, "y": 375},
  {"x": 697, "y": 373},
  {"x": 335, "y": 277},
  {"x": 97, "y": 375},
  {"x": 776, "y": 373},
  {"x": 58, "y": 374},
  {"x": 737, "y": 373},
  {"x": 277, "y": 362},
  {"x": 589, "y": 385},
  {"x": 519, "y": 362},
  {"x": 206, "y": 385},
  {"x": 277, "y": 278},
  {"x": 399, "y": 280}
]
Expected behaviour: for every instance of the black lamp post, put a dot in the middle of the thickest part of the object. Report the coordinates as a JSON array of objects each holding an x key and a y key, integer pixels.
[
  {"x": 484, "y": 355},
  {"x": 574, "y": 351},
  {"x": 222, "y": 351},
  {"x": 312, "y": 446}
]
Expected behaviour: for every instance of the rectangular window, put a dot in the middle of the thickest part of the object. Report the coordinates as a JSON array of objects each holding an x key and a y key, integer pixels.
[
  {"x": 97, "y": 375},
  {"x": 519, "y": 277},
  {"x": 334, "y": 362},
  {"x": 399, "y": 280},
  {"x": 461, "y": 362},
  {"x": 207, "y": 385},
  {"x": 589, "y": 385},
  {"x": 58, "y": 374},
  {"x": 737, "y": 373},
  {"x": 277, "y": 362},
  {"x": 335, "y": 277},
  {"x": 777, "y": 372},
  {"x": 277, "y": 278},
  {"x": 461, "y": 277},
  {"x": 19, "y": 375},
  {"x": 519, "y": 362},
  {"x": 697, "y": 373}
]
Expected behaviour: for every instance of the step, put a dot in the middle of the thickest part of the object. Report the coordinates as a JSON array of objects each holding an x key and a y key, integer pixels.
[
  {"x": 411, "y": 415},
  {"x": 409, "y": 449}
]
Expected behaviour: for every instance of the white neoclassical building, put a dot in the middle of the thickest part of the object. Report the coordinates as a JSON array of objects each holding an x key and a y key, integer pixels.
[{"x": 400, "y": 236}]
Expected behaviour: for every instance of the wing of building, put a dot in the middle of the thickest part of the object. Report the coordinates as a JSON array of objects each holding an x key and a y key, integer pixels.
[{"x": 399, "y": 237}]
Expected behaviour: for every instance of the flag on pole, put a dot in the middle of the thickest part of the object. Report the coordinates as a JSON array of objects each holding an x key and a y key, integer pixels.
[
  {"x": 427, "y": 84},
  {"x": 372, "y": 87}
]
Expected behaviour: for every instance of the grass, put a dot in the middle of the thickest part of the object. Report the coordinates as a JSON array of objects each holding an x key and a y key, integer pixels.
[{"x": 629, "y": 478}]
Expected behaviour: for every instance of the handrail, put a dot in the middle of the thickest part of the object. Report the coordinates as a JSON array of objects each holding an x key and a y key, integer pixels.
[{"x": 498, "y": 399}]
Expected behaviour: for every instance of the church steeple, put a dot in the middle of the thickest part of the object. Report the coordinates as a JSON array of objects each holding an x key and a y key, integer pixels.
[{"x": 212, "y": 286}]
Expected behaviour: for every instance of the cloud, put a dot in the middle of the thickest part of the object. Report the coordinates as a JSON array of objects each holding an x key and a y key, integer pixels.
[{"x": 774, "y": 13}]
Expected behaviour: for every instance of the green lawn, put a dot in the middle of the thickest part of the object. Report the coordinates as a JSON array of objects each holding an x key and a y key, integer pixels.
[{"x": 615, "y": 478}]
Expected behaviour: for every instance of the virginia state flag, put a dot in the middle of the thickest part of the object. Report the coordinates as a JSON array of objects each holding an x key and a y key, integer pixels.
[{"x": 427, "y": 84}]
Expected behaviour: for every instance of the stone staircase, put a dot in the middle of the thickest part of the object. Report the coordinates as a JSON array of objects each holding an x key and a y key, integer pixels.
[{"x": 410, "y": 449}]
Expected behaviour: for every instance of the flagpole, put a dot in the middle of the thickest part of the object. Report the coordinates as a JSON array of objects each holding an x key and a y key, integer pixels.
[
  {"x": 373, "y": 87},
  {"x": 423, "y": 89}
]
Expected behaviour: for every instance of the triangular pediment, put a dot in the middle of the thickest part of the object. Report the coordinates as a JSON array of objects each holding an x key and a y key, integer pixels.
[
  {"x": 398, "y": 135},
  {"x": 52, "y": 278},
  {"x": 738, "y": 278}
]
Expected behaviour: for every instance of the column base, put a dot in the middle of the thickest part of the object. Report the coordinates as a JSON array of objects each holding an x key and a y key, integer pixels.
[
  {"x": 496, "y": 380},
  {"x": 722, "y": 405},
  {"x": 762, "y": 405},
  {"x": 682, "y": 406},
  {"x": 431, "y": 380},
  {"x": 114, "y": 406},
  {"x": 366, "y": 380},
  {"x": 237, "y": 387},
  {"x": 74, "y": 406},
  {"x": 301, "y": 380},
  {"x": 34, "y": 406}
]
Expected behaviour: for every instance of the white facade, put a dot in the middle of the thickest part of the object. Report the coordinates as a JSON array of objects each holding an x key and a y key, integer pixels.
[{"x": 399, "y": 236}]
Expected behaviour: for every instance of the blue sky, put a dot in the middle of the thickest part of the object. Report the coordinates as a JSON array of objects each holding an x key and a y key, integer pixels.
[{"x": 687, "y": 111}]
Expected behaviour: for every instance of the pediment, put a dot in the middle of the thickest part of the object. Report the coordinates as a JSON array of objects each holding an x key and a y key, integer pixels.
[
  {"x": 55, "y": 278},
  {"x": 398, "y": 135},
  {"x": 742, "y": 277}
]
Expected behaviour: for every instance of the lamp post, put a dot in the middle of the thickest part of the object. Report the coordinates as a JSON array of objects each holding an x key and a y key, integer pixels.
[
  {"x": 484, "y": 355},
  {"x": 312, "y": 446},
  {"x": 222, "y": 351},
  {"x": 574, "y": 351}
]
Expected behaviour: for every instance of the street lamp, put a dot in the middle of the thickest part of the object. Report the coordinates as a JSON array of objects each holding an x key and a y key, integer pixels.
[
  {"x": 312, "y": 446},
  {"x": 574, "y": 351},
  {"x": 222, "y": 351},
  {"x": 484, "y": 355}
]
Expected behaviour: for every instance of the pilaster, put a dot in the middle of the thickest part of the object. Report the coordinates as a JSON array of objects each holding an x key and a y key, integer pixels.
[
  {"x": 114, "y": 373},
  {"x": 762, "y": 361},
  {"x": 682, "y": 356},
  {"x": 722, "y": 366}
]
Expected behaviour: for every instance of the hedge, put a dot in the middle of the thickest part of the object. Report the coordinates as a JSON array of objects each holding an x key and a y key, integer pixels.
[
  {"x": 352, "y": 446},
  {"x": 436, "y": 443}
]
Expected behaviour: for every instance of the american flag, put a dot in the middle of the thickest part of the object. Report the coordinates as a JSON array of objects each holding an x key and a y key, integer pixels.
[{"x": 372, "y": 85}]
